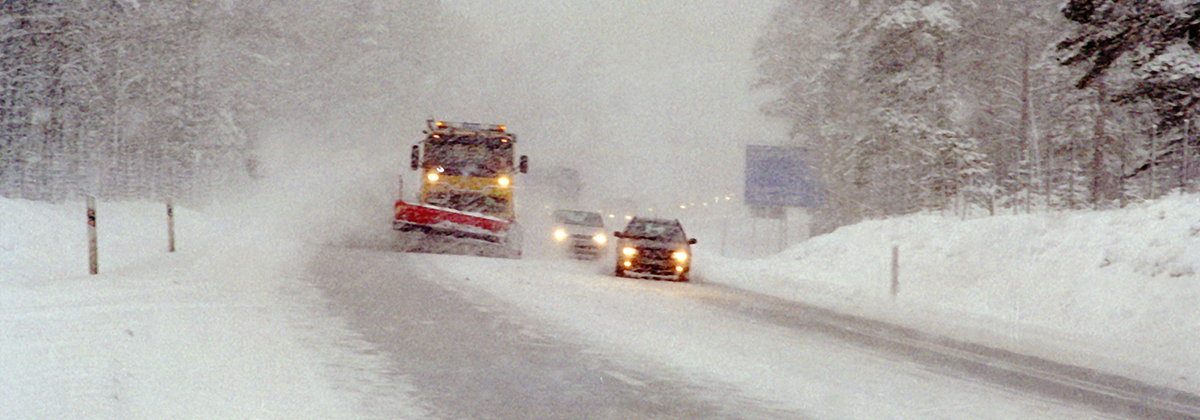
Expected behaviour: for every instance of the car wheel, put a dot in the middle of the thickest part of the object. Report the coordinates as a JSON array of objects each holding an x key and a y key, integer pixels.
[
  {"x": 618, "y": 272},
  {"x": 682, "y": 278}
]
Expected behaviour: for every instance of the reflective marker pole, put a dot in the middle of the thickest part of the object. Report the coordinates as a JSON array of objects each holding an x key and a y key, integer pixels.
[
  {"x": 170, "y": 226},
  {"x": 93, "y": 254},
  {"x": 895, "y": 270}
]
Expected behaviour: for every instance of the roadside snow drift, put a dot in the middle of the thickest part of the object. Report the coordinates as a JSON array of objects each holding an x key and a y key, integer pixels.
[{"x": 1115, "y": 290}]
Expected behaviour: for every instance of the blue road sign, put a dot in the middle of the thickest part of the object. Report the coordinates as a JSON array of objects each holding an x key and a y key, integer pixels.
[{"x": 779, "y": 176}]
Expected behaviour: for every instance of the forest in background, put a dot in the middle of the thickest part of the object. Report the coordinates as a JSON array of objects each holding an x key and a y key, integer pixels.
[
  {"x": 148, "y": 99},
  {"x": 956, "y": 106},
  {"x": 963, "y": 106}
]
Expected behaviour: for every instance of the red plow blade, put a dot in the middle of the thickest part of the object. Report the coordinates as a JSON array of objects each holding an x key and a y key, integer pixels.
[{"x": 442, "y": 221}]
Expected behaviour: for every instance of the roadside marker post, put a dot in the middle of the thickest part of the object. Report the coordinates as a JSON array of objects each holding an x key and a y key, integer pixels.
[
  {"x": 93, "y": 254},
  {"x": 895, "y": 270},
  {"x": 170, "y": 226}
]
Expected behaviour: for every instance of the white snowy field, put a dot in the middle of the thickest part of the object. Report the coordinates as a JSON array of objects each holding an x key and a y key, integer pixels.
[{"x": 211, "y": 331}]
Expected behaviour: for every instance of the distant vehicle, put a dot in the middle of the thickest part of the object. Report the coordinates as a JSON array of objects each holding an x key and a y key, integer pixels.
[
  {"x": 654, "y": 248},
  {"x": 580, "y": 233}
]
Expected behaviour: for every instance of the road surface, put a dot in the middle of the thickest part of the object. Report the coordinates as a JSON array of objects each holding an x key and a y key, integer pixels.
[{"x": 483, "y": 338}]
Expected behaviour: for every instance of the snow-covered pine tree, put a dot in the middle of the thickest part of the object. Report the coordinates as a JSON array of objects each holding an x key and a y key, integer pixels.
[
  {"x": 804, "y": 59},
  {"x": 904, "y": 69},
  {"x": 1155, "y": 43}
]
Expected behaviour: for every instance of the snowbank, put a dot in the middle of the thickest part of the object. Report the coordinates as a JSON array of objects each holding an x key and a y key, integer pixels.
[
  {"x": 219, "y": 329},
  {"x": 1115, "y": 290}
]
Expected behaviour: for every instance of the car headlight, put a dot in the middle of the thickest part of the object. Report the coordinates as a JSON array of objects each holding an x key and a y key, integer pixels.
[
  {"x": 560, "y": 234},
  {"x": 629, "y": 251},
  {"x": 680, "y": 256},
  {"x": 503, "y": 181},
  {"x": 599, "y": 238},
  {"x": 433, "y": 177}
]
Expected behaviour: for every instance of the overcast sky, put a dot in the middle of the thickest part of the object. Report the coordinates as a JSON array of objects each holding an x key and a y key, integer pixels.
[{"x": 663, "y": 89}]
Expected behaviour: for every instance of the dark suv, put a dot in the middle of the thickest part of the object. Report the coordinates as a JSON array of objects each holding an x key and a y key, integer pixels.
[{"x": 656, "y": 248}]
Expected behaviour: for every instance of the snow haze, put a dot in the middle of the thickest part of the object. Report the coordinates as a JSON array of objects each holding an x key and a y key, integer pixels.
[
  {"x": 651, "y": 103},
  {"x": 657, "y": 87}
]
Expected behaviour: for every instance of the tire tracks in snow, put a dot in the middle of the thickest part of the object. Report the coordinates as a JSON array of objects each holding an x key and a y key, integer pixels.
[
  {"x": 1106, "y": 392},
  {"x": 480, "y": 361}
]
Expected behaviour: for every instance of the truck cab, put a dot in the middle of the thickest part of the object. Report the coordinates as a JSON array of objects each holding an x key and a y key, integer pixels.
[
  {"x": 468, "y": 167},
  {"x": 466, "y": 173}
]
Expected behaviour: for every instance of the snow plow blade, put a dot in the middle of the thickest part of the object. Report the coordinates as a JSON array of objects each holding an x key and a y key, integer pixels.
[
  {"x": 442, "y": 221},
  {"x": 486, "y": 235}
]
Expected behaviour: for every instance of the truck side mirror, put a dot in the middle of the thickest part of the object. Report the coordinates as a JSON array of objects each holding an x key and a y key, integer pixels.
[
  {"x": 416, "y": 157},
  {"x": 524, "y": 164},
  {"x": 692, "y": 241}
]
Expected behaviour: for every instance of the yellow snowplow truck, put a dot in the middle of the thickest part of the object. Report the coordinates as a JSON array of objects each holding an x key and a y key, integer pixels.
[{"x": 465, "y": 204}]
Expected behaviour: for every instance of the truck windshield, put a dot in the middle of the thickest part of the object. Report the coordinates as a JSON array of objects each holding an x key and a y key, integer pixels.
[
  {"x": 469, "y": 156},
  {"x": 470, "y": 201}
]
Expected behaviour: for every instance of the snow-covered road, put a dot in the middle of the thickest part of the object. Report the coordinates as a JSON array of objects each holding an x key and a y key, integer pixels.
[
  {"x": 474, "y": 357},
  {"x": 547, "y": 338},
  {"x": 252, "y": 320}
]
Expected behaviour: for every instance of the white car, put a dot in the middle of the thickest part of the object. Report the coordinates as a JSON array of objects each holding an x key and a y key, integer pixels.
[{"x": 580, "y": 233}]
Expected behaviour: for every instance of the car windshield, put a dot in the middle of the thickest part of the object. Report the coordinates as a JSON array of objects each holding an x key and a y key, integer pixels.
[
  {"x": 652, "y": 229},
  {"x": 581, "y": 218}
]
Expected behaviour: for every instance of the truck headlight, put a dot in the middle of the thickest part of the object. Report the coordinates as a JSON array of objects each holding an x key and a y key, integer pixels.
[
  {"x": 599, "y": 238},
  {"x": 503, "y": 181},
  {"x": 433, "y": 177},
  {"x": 680, "y": 256},
  {"x": 560, "y": 234},
  {"x": 629, "y": 251}
]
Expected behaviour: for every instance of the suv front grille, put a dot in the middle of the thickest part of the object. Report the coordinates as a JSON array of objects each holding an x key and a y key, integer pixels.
[{"x": 655, "y": 253}]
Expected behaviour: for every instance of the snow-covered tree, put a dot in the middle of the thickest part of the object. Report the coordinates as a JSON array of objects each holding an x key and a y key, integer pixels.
[
  {"x": 151, "y": 98},
  {"x": 872, "y": 94},
  {"x": 878, "y": 88},
  {"x": 803, "y": 60},
  {"x": 1142, "y": 52}
]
